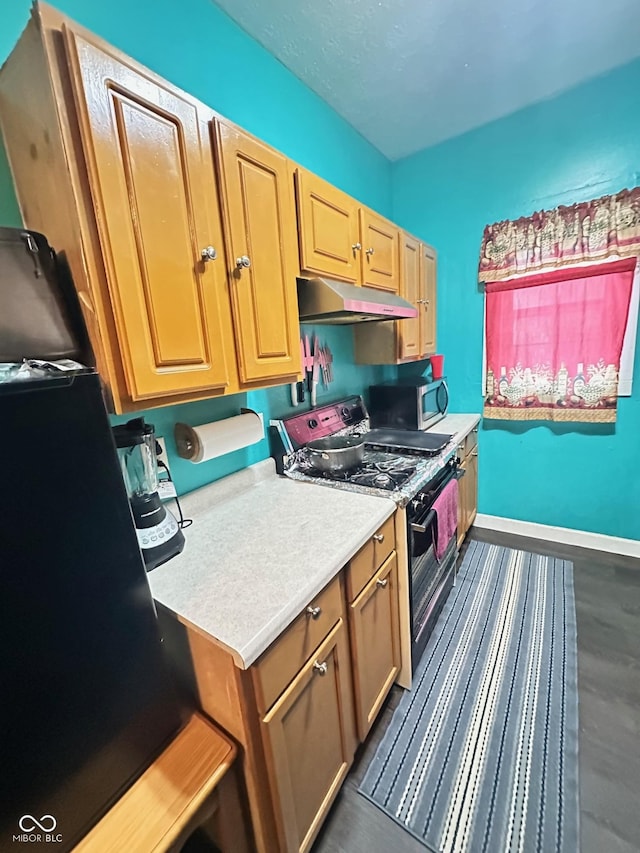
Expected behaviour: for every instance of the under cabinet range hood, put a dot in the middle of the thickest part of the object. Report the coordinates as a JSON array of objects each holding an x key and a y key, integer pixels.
[{"x": 324, "y": 300}]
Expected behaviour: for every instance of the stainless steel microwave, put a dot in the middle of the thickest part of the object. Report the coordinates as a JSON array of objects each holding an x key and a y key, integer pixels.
[{"x": 408, "y": 403}]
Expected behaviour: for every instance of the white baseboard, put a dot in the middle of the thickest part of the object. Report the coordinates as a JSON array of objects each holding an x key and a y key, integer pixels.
[{"x": 563, "y": 535}]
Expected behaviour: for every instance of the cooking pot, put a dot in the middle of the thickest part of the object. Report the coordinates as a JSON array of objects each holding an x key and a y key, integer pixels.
[{"x": 336, "y": 452}]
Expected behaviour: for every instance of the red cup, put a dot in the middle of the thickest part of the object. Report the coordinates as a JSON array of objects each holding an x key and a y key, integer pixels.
[{"x": 437, "y": 366}]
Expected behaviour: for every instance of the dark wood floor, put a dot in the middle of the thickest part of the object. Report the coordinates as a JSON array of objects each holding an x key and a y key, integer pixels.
[{"x": 607, "y": 590}]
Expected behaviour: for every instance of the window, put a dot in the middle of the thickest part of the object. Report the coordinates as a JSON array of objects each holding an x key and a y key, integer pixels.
[{"x": 554, "y": 343}]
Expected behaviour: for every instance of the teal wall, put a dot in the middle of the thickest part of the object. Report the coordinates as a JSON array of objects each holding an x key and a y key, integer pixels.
[
  {"x": 580, "y": 145},
  {"x": 196, "y": 46}
]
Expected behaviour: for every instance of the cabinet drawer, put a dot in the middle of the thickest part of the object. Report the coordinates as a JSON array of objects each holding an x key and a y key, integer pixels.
[
  {"x": 370, "y": 557},
  {"x": 283, "y": 660}
]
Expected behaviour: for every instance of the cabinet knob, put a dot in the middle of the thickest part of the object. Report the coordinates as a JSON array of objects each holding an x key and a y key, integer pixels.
[
  {"x": 314, "y": 612},
  {"x": 379, "y": 537},
  {"x": 356, "y": 247},
  {"x": 426, "y": 301},
  {"x": 369, "y": 251},
  {"x": 320, "y": 668},
  {"x": 208, "y": 254},
  {"x": 382, "y": 582},
  {"x": 474, "y": 453},
  {"x": 243, "y": 261}
]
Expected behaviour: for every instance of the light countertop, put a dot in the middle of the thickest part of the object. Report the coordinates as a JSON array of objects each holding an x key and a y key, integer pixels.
[
  {"x": 458, "y": 426},
  {"x": 260, "y": 548}
]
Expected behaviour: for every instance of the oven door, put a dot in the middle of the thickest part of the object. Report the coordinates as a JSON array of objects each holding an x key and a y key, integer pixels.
[{"x": 431, "y": 579}]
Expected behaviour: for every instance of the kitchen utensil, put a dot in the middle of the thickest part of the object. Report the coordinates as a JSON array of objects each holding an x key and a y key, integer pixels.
[
  {"x": 330, "y": 363},
  {"x": 308, "y": 361},
  {"x": 159, "y": 536},
  {"x": 294, "y": 393},
  {"x": 315, "y": 370},
  {"x": 336, "y": 452},
  {"x": 314, "y": 382},
  {"x": 300, "y": 383},
  {"x": 323, "y": 367}
]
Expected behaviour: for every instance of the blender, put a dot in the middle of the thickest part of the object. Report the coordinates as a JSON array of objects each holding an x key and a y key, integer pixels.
[{"x": 159, "y": 535}]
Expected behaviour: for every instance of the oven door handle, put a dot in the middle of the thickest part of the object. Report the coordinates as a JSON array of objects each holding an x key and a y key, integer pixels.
[{"x": 422, "y": 525}]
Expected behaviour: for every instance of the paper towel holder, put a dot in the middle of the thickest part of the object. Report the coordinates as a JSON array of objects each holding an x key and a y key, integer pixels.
[{"x": 188, "y": 442}]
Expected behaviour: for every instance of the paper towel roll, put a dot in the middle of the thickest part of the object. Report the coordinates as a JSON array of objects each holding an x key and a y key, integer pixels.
[{"x": 198, "y": 444}]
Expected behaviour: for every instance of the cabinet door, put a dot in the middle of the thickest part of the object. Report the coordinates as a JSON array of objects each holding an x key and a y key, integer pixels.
[
  {"x": 152, "y": 188},
  {"x": 375, "y": 643},
  {"x": 310, "y": 741},
  {"x": 409, "y": 331},
  {"x": 428, "y": 303},
  {"x": 472, "y": 487},
  {"x": 262, "y": 254},
  {"x": 329, "y": 231},
  {"x": 380, "y": 246},
  {"x": 462, "y": 500}
]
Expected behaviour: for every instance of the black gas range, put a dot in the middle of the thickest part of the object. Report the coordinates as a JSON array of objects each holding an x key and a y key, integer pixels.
[
  {"x": 410, "y": 467},
  {"x": 396, "y": 461}
]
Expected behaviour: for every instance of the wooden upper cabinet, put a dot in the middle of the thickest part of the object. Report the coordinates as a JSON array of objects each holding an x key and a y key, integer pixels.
[
  {"x": 259, "y": 214},
  {"x": 153, "y": 191},
  {"x": 409, "y": 338},
  {"x": 428, "y": 304},
  {"x": 380, "y": 245},
  {"x": 329, "y": 229}
]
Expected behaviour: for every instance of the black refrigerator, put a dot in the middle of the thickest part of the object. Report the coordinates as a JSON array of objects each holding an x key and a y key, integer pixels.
[{"x": 86, "y": 702}]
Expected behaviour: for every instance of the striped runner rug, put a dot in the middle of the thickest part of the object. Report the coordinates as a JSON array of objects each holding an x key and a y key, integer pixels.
[{"x": 482, "y": 754}]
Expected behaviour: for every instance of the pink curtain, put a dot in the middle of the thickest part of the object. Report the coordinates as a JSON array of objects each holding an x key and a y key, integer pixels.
[{"x": 554, "y": 342}]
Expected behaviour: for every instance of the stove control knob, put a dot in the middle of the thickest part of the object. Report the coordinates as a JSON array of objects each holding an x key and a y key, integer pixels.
[
  {"x": 345, "y": 414},
  {"x": 313, "y": 423}
]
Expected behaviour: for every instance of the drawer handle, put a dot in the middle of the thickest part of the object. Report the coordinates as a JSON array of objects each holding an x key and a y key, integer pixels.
[
  {"x": 379, "y": 537},
  {"x": 320, "y": 668},
  {"x": 314, "y": 612}
]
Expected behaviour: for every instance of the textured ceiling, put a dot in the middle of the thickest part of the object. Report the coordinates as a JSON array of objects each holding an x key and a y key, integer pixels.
[{"x": 411, "y": 73}]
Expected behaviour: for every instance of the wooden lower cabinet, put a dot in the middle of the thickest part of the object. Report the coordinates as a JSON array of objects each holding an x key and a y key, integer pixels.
[
  {"x": 468, "y": 484},
  {"x": 472, "y": 488},
  {"x": 300, "y": 710},
  {"x": 375, "y": 643},
  {"x": 310, "y": 740}
]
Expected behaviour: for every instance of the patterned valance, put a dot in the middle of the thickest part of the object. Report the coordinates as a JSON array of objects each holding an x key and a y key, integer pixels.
[{"x": 586, "y": 232}]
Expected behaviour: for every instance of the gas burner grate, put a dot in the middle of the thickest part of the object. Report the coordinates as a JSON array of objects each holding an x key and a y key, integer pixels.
[{"x": 378, "y": 470}]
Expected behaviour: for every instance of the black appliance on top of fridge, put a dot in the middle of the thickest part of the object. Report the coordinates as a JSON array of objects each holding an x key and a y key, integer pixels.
[{"x": 86, "y": 702}]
